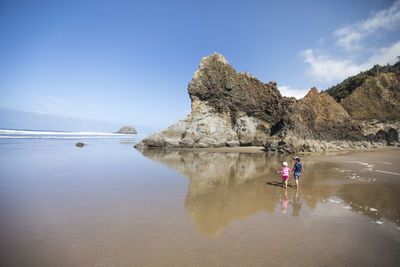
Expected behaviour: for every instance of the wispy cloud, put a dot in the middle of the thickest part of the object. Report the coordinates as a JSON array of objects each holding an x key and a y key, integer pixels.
[
  {"x": 297, "y": 93},
  {"x": 350, "y": 36},
  {"x": 325, "y": 69},
  {"x": 385, "y": 55}
]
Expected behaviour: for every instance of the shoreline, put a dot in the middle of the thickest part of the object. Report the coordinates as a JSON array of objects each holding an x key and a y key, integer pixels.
[{"x": 260, "y": 149}]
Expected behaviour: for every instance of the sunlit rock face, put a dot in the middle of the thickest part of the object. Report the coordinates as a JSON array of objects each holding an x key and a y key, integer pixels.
[
  {"x": 236, "y": 109},
  {"x": 228, "y": 109},
  {"x": 238, "y": 94},
  {"x": 377, "y": 98}
]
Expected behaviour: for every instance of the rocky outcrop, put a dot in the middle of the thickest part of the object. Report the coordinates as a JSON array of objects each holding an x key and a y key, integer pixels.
[
  {"x": 228, "y": 109},
  {"x": 319, "y": 123},
  {"x": 127, "y": 130},
  {"x": 236, "y": 109},
  {"x": 378, "y": 98},
  {"x": 203, "y": 128},
  {"x": 226, "y": 91},
  {"x": 318, "y": 116}
]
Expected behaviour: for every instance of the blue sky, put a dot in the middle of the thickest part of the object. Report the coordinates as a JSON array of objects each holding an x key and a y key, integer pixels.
[{"x": 129, "y": 62}]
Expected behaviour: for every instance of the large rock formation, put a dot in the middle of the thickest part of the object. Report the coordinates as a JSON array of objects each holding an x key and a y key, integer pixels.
[
  {"x": 236, "y": 109},
  {"x": 228, "y": 109}
]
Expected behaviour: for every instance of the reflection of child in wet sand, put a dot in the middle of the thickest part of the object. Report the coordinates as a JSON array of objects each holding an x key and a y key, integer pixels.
[
  {"x": 285, "y": 174},
  {"x": 296, "y": 204},
  {"x": 285, "y": 202}
]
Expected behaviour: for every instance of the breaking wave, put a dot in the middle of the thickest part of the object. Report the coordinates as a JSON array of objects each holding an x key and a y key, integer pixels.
[{"x": 37, "y": 134}]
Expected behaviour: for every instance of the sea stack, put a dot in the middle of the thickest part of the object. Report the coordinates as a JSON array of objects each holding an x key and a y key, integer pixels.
[
  {"x": 228, "y": 109},
  {"x": 127, "y": 130}
]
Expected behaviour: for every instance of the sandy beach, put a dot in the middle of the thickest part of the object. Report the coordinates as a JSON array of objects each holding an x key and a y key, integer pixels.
[{"x": 107, "y": 204}]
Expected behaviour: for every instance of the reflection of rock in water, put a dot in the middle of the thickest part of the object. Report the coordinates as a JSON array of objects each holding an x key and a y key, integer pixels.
[
  {"x": 223, "y": 186},
  {"x": 217, "y": 206},
  {"x": 208, "y": 169},
  {"x": 228, "y": 186}
]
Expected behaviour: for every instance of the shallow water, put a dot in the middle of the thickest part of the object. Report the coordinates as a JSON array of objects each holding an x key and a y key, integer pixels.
[{"x": 107, "y": 204}]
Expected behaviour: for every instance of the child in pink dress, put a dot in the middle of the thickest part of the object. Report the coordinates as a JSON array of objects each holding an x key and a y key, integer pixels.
[{"x": 285, "y": 174}]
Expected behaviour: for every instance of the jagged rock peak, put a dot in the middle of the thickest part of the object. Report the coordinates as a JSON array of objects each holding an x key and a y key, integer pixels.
[
  {"x": 219, "y": 85},
  {"x": 210, "y": 62},
  {"x": 323, "y": 106},
  {"x": 247, "y": 74},
  {"x": 313, "y": 97},
  {"x": 312, "y": 93},
  {"x": 215, "y": 57}
]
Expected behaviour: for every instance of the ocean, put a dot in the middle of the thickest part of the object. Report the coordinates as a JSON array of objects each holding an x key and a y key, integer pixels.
[{"x": 46, "y": 134}]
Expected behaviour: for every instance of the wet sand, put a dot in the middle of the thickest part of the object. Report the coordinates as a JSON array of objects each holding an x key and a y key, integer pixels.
[
  {"x": 237, "y": 149},
  {"x": 110, "y": 205}
]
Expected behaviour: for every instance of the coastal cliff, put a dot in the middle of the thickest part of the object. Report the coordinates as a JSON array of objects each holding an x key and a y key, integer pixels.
[{"x": 236, "y": 109}]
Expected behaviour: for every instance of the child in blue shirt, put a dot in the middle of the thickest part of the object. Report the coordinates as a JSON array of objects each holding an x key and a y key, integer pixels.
[{"x": 297, "y": 169}]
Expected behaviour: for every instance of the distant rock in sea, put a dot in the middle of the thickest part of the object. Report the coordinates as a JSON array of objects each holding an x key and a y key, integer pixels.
[
  {"x": 236, "y": 109},
  {"x": 127, "y": 130},
  {"x": 80, "y": 144}
]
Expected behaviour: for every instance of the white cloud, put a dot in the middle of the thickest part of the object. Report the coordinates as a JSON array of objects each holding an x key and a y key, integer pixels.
[
  {"x": 325, "y": 69},
  {"x": 297, "y": 93},
  {"x": 384, "y": 56},
  {"x": 349, "y": 36}
]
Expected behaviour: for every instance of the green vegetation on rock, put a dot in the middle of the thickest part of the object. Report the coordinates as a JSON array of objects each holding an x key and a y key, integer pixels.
[{"x": 345, "y": 88}]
